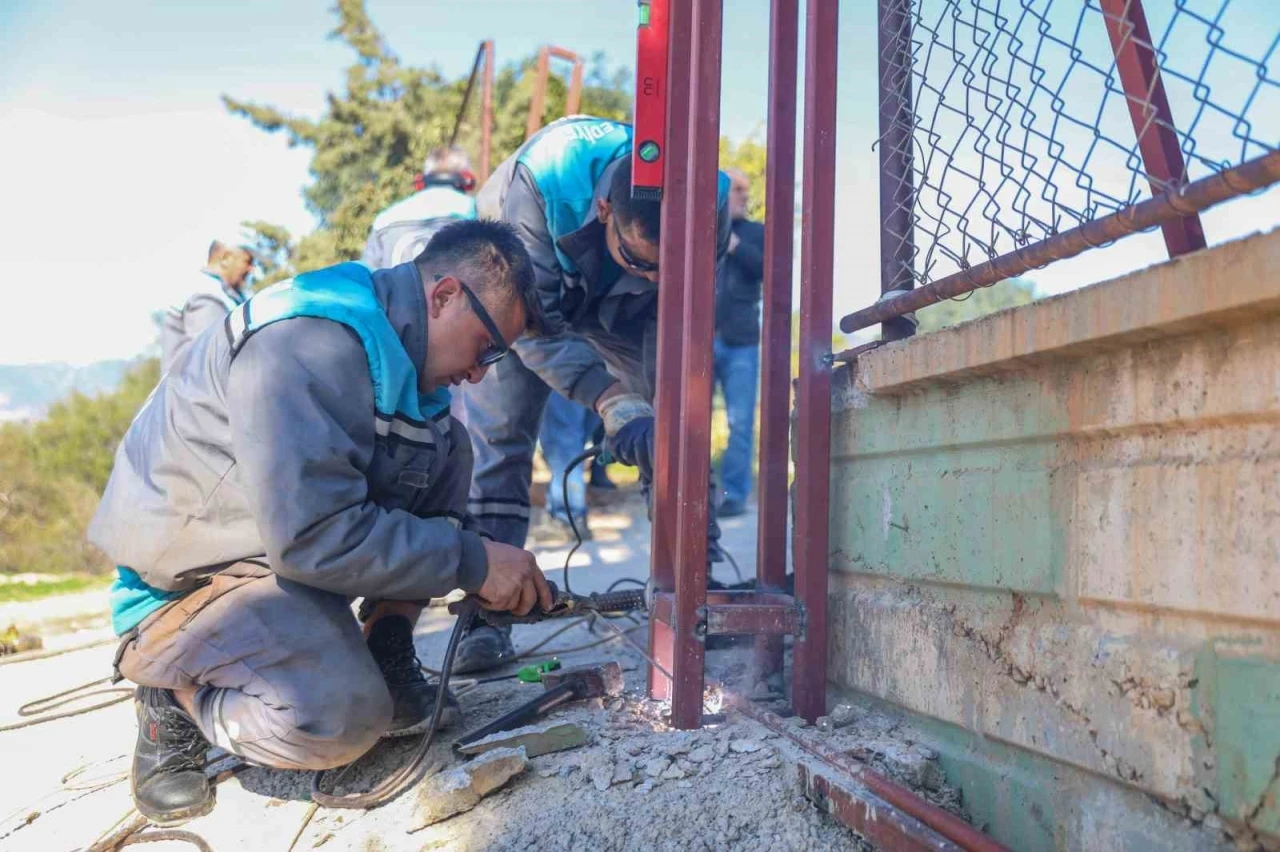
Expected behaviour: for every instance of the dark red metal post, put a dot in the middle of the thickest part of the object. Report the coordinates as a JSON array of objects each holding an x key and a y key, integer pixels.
[
  {"x": 775, "y": 372},
  {"x": 813, "y": 395},
  {"x": 538, "y": 99},
  {"x": 662, "y": 557},
  {"x": 1152, "y": 118},
  {"x": 694, "y": 464},
  {"x": 897, "y": 192},
  {"x": 486, "y": 112}
]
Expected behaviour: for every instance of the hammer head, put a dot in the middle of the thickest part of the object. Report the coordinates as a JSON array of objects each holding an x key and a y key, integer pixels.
[{"x": 588, "y": 681}]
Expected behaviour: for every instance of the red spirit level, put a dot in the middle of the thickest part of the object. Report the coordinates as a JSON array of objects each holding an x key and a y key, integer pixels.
[{"x": 647, "y": 155}]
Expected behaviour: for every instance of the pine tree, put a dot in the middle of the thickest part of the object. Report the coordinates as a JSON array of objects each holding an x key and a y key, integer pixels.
[{"x": 371, "y": 140}]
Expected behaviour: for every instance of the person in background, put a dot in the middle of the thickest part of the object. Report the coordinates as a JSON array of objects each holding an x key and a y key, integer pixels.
[
  {"x": 444, "y": 188},
  {"x": 737, "y": 344},
  {"x": 219, "y": 288}
]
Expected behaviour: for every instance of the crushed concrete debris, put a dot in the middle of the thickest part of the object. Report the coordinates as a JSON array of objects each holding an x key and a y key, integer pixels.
[
  {"x": 536, "y": 740},
  {"x": 461, "y": 788},
  {"x": 843, "y": 715},
  {"x": 657, "y": 766}
]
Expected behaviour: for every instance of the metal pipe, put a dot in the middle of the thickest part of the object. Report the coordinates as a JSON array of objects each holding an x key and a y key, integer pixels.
[
  {"x": 775, "y": 329},
  {"x": 897, "y": 179},
  {"x": 1190, "y": 198},
  {"x": 573, "y": 99},
  {"x": 694, "y": 465},
  {"x": 662, "y": 558},
  {"x": 538, "y": 98},
  {"x": 948, "y": 825},
  {"x": 1152, "y": 118},
  {"x": 813, "y": 393},
  {"x": 486, "y": 112}
]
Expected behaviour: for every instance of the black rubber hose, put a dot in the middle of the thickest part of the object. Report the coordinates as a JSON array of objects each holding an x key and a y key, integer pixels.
[
  {"x": 407, "y": 775},
  {"x": 573, "y": 523}
]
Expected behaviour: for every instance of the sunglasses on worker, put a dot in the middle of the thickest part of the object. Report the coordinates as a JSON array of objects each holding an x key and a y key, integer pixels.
[
  {"x": 634, "y": 263},
  {"x": 498, "y": 350}
]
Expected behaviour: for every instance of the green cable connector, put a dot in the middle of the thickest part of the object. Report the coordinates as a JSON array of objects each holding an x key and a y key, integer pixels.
[{"x": 534, "y": 673}]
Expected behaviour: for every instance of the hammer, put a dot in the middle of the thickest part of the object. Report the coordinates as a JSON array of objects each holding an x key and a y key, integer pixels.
[{"x": 561, "y": 686}]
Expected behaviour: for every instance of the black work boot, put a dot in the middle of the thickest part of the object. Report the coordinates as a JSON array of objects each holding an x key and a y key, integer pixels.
[
  {"x": 168, "y": 784},
  {"x": 483, "y": 648},
  {"x": 391, "y": 643}
]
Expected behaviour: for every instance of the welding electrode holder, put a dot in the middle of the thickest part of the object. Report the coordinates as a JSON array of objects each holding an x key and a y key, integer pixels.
[{"x": 564, "y": 605}]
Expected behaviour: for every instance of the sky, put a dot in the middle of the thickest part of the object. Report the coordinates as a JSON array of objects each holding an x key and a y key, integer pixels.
[{"x": 118, "y": 162}]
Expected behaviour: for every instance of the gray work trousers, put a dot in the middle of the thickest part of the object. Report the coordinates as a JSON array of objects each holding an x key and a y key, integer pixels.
[
  {"x": 503, "y": 414},
  {"x": 283, "y": 675}
]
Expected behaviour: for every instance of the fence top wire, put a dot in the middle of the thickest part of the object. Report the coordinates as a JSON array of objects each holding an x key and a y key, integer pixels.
[{"x": 1012, "y": 119}]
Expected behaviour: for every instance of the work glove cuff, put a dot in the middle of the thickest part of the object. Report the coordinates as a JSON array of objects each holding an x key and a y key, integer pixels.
[{"x": 618, "y": 411}]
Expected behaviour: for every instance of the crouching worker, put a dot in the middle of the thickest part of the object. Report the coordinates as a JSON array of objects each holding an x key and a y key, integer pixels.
[{"x": 304, "y": 456}]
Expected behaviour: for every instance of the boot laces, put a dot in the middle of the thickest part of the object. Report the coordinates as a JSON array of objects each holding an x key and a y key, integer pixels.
[
  {"x": 398, "y": 660},
  {"x": 181, "y": 738}
]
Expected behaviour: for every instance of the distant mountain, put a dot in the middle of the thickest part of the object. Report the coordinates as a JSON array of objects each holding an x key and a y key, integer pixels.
[{"x": 27, "y": 390}]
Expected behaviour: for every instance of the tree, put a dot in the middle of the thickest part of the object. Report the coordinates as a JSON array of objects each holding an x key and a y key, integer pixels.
[
  {"x": 52, "y": 472},
  {"x": 371, "y": 140},
  {"x": 983, "y": 301}
]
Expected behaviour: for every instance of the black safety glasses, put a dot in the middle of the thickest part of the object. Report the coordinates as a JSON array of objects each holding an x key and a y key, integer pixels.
[
  {"x": 634, "y": 263},
  {"x": 499, "y": 349}
]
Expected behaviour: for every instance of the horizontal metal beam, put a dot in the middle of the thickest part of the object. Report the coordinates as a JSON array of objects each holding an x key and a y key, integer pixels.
[
  {"x": 946, "y": 824},
  {"x": 856, "y": 807},
  {"x": 737, "y": 614},
  {"x": 1184, "y": 201}
]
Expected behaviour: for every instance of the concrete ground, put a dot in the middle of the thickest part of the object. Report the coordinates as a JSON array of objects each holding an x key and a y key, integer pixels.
[{"x": 636, "y": 784}]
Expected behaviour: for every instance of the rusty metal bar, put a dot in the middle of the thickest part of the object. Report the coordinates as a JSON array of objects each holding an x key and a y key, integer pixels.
[
  {"x": 1152, "y": 118},
  {"x": 573, "y": 99},
  {"x": 486, "y": 112},
  {"x": 670, "y": 324},
  {"x": 775, "y": 328},
  {"x": 897, "y": 190},
  {"x": 813, "y": 394},
  {"x": 538, "y": 99},
  {"x": 948, "y": 825},
  {"x": 866, "y": 813},
  {"x": 737, "y": 614},
  {"x": 562, "y": 53},
  {"x": 694, "y": 466},
  {"x": 1190, "y": 198}
]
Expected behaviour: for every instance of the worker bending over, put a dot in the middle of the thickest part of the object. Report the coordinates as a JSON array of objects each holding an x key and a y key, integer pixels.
[
  {"x": 219, "y": 289},
  {"x": 301, "y": 455},
  {"x": 567, "y": 192}
]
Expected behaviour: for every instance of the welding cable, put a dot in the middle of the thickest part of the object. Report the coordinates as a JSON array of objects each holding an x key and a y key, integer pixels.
[
  {"x": 407, "y": 775},
  {"x": 554, "y": 652},
  {"x": 32, "y": 656},
  {"x": 581, "y": 458},
  {"x": 40, "y": 707}
]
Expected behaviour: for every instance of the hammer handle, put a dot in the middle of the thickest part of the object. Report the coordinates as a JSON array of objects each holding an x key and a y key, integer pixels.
[{"x": 523, "y": 714}]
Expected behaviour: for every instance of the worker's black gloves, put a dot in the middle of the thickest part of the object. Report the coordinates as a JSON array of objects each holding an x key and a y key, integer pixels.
[
  {"x": 628, "y": 426},
  {"x": 633, "y": 445}
]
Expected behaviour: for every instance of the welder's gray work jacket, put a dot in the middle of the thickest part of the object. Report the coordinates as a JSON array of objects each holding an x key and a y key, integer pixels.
[
  {"x": 208, "y": 304},
  {"x": 548, "y": 190},
  {"x": 271, "y": 438}
]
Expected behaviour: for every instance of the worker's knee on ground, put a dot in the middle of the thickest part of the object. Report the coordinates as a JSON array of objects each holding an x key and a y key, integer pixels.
[{"x": 342, "y": 728}]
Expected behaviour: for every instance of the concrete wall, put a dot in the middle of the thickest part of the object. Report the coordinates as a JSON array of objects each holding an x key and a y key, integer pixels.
[{"x": 1056, "y": 548}]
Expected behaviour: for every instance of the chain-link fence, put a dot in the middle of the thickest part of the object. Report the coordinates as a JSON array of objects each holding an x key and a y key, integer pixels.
[{"x": 1017, "y": 120}]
